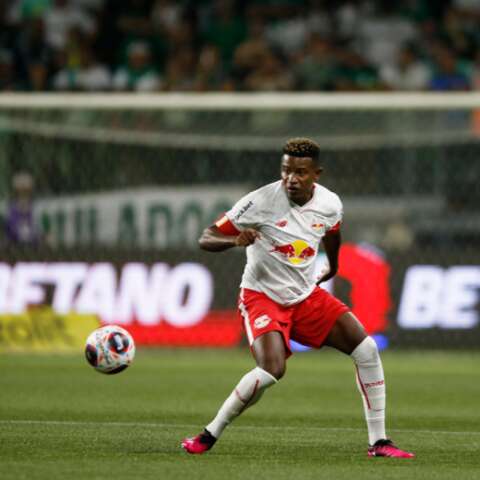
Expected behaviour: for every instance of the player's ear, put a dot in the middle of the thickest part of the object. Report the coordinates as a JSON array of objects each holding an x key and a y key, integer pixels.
[{"x": 318, "y": 172}]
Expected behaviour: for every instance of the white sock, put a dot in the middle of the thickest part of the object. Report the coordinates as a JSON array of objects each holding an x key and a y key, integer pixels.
[
  {"x": 371, "y": 384},
  {"x": 245, "y": 394}
]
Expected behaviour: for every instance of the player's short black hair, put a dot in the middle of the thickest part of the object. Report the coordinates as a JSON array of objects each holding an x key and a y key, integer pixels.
[{"x": 302, "y": 147}]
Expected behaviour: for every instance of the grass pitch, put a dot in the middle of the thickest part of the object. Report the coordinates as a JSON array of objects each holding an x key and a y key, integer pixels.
[{"x": 60, "y": 419}]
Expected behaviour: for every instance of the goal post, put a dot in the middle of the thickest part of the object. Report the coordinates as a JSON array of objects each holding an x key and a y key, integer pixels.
[{"x": 242, "y": 101}]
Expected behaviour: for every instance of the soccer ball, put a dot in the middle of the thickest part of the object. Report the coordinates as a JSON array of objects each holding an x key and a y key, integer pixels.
[{"x": 110, "y": 349}]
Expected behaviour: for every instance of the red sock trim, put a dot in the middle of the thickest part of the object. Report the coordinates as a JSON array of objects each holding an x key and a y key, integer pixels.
[
  {"x": 363, "y": 389},
  {"x": 246, "y": 402}
]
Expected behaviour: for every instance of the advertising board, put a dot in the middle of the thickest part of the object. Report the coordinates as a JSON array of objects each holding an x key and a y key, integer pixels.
[{"x": 188, "y": 298}]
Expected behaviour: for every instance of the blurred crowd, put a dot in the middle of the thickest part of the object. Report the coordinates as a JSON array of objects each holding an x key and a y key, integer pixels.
[{"x": 249, "y": 45}]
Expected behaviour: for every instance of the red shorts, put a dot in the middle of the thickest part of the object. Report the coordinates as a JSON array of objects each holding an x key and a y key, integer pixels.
[{"x": 308, "y": 322}]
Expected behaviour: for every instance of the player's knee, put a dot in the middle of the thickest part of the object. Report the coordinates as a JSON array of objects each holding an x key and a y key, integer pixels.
[
  {"x": 274, "y": 366},
  {"x": 366, "y": 352}
]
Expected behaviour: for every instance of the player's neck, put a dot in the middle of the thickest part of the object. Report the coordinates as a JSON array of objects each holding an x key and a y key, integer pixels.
[{"x": 301, "y": 202}]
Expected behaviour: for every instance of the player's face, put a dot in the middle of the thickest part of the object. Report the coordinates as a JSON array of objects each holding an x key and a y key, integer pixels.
[{"x": 298, "y": 176}]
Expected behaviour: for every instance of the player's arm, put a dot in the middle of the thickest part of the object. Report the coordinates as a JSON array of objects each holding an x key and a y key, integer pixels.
[
  {"x": 234, "y": 228},
  {"x": 214, "y": 240},
  {"x": 331, "y": 244}
]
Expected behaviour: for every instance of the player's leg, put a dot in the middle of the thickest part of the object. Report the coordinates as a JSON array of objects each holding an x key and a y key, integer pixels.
[
  {"x": 348, "y": 336},
  {"x": 270, "y": 354}
]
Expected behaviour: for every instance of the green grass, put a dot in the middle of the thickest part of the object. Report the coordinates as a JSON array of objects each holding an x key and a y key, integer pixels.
[{"x": 61, "y": 420}]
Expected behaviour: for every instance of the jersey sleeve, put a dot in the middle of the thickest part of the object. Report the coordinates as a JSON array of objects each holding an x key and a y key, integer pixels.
[
  {"x": 335, "y": 221},
  {"x": 244, "y": 214}
]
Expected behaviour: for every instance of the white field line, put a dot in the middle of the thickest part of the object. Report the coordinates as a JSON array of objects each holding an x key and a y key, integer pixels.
[{"x": 239, "y": 427}]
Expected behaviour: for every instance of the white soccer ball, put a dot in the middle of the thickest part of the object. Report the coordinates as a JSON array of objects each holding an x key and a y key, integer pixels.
[{"x": 110, "y": 349}]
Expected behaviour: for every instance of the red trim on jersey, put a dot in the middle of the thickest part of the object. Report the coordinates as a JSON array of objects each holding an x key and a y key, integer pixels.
[
  {"x": 335, "y": 228},
  {"x": 226, "y": 226}
]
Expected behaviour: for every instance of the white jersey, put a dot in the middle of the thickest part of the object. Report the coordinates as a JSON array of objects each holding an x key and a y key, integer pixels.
[{"x": 281, "y": 263}]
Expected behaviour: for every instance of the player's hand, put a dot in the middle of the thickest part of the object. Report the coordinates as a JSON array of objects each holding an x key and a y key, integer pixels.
[{"x": 247, "y": 237}]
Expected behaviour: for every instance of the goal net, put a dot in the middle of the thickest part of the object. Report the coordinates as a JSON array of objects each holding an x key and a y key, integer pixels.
[{"x": 130, "y": 181}]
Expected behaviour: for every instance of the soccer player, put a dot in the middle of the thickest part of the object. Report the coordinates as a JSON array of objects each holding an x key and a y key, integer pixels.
[{"x": 281, "y": 226}]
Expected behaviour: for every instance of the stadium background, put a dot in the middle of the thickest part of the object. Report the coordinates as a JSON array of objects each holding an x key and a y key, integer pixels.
[
  {"x": 126, "y": 127},
  {"x": 120, "y": 187}
]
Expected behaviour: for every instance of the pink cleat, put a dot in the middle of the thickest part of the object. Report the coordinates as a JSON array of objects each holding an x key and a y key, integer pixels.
[
  {"x": 386, "y": 448},
  {"x": 199, "y": 444}
]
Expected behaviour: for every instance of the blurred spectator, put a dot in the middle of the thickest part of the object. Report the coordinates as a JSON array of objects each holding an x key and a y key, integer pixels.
[
  {"x": 62, "y": 17},
  {"x": 382, "y": 34},
  {"x": 34, "y": 56},
  {"x": 355, "y": 73},
  {"x": 318, "y": 18},
  {"x": 408, "y": 72},
  {"x": 7, "y": 72},
  {"x": 270, "y": 75},
  {"x": 250, "y": 52},
  {"x": 448, "y": 74},
  {"x": 76, "y": 44},
  {"x": 423, "y": 10},
  {"x": 180, "y": 36},
  {"x": 139, "y": 73},
  {"x": 91, "y": 5},
  {"x": 359, "y": 38},
  {"x": 210, "y": 73},
  {"x": 469, "y": 8},
  {"x": 317, "y": 69},
  {"x": 20, "y": 228},
  {"x": 166, "y": 15},
  {"x": 274, "y": 9},
  {"x": 89, "y": 76},
  {"x": 134, "y": 18},
  {"x": 476, "y": 73},
  {"x": 180, "y": 72},
  {"x": 8, "y": 25},
  {"x": 134, "y": 24},
  {"x": 21, "y": 10},
  {"x": 226, "y": 29},
  {"x": 347, "y": 18},
  {"x": 429, "y": 36},
  {"x": 456, "y": 34},
  {"x": 289, "y": 34}
]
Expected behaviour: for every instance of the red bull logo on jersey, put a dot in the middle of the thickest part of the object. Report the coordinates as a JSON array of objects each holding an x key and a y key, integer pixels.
[{"x": 296, "y": 252}]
